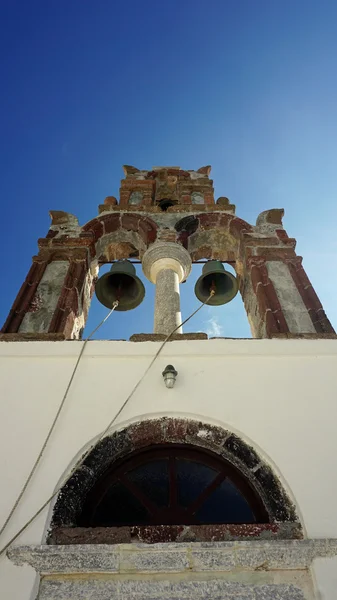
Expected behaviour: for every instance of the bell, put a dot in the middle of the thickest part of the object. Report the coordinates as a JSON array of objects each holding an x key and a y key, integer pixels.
[
  {"x": 121, "y": 284},
  {"x": 215, "y": 277}
]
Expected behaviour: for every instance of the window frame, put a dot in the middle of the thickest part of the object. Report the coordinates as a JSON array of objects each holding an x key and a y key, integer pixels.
[{"x": 118, "y": 470}]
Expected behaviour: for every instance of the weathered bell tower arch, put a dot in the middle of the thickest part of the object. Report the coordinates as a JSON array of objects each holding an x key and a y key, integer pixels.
[
  {"x": 181, "y": 468},
  {"x": 167, "y": 218}
]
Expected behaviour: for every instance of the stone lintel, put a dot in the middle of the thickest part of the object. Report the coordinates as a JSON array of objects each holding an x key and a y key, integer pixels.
[{"x": 179, "y": 558}]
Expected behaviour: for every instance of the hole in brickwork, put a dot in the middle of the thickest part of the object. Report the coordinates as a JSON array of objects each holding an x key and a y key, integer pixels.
[
  {"x": 188, "y": 224},
  {"x": 166, "y": 203}
]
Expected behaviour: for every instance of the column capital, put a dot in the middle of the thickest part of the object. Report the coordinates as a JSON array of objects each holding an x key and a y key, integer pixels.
[{"x": 166, "y": 255}]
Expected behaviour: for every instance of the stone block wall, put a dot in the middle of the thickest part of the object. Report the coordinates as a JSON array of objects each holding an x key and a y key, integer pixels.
[{"x": 192, "y": 571}]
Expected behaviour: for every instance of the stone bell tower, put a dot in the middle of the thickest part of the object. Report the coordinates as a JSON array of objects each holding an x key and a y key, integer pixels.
[
  {"x": 167, "y": 218},
  {"x": 179, "y": 468}
]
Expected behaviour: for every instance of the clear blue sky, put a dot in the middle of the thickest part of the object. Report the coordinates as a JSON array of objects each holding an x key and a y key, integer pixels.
[{"x": 249, "y": 87}]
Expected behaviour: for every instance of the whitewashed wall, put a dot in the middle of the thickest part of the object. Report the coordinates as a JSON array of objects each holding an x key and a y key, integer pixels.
[{"x": 278, "y": 395}]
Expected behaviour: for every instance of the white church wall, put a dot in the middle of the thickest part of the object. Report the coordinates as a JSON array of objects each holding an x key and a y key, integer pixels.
[{"x": 278, "y": 395}]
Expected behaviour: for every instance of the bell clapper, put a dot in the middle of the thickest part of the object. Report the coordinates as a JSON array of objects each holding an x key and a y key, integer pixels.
[
  {"x": 212, "y": 289},
  {"x": 119, "y": 292}
]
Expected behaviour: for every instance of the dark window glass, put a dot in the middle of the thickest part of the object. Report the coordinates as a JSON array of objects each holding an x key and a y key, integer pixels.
[
  {"x": 192, "y": 479},
  {"x": 153, "y": 479},
  {"x": 169, "y": 485},
  {"x": 119, "y": 507},
  {"x": 225, "y": 504}
]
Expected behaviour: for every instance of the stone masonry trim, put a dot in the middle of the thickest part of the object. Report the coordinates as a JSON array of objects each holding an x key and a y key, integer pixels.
[
  {"x": 70, "y": 501},
  {"x": 204, "y": 231},
  {"x": 177, "y": 558}
]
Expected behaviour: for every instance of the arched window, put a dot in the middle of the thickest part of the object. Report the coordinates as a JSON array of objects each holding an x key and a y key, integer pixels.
[{"x": 172, "y": 485}]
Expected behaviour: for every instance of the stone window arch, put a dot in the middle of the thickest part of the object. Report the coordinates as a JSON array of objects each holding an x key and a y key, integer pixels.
[{"x": 271, "y": 511}]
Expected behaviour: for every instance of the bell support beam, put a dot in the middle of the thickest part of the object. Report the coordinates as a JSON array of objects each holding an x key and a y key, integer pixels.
[{"x": 166, "y": 265}]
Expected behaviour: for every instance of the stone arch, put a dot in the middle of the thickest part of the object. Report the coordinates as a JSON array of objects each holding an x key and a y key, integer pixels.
[
  {"x": 213, "y": 235},
  {"x": 119, "y": 245},
  {"x": 143, "y": 227},
  {"x": 168, "y": 430}
]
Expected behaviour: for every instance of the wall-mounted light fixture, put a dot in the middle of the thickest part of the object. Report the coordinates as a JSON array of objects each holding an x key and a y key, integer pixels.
[{"x": 169, "y": 375}]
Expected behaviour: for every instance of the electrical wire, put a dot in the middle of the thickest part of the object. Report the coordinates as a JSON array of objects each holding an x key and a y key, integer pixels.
[
  {"x": 52, "y": 427},
  {"x": 104, "y": 432}
]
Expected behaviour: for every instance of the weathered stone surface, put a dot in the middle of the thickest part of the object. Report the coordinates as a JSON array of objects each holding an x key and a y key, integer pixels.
[
  {"x": 42, "y": 307},
  {"x": 89, "y": 589},
  {"x": 142, "y": 561},
  {"x": 163, "y": 251},
  {"x": 285, "y": 554},
  {"x": 224, "y": 203},
  {"x": 270, "y": 220},
  {"x": 160, "y": 337},
  {"x": 307, "y": 336},
  {"x": 163, "y": 197},
  {"x": 204, "y": 559},
  {"x": 179, "y": 590},
  {"x": 277, "y": 570},
  {"x": 68, "y": 559},
  {"x": 278, "y": 592},
  {"x": 32, "y": 337},
  {"x": 167, "y": 264},
  {"x": 275, "y": 501},
  {"x": 167, "y": 314},
  {"x": 291, "y": 303},
  {"x": 111, "y": 201},
  {"x": 106, "y": 589},
  {"x": 112, "y": 243},
  {"x": 258, "y": 555},
  {"x": 63, "y": 223},
  {"x": 90, "y": 535}
]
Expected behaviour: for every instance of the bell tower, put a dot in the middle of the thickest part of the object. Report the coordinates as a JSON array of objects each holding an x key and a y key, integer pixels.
[
  {"x": 167, "y": 218},
  {"x": 170, "y": 465}
]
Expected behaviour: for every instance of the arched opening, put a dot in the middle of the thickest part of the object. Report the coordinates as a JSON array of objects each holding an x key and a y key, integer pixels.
[
  {"x": 159, "y": 480},
  {"x": 166, "y": 203},
  {"x": 172, "y": 485},
  {"x": 126, "y": 323},
  {"x": 228, "y": 320}
]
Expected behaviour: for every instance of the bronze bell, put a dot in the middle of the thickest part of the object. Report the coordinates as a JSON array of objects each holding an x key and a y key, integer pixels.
[
  {"x": 121, "y": 284},
  {"x": 215, "y": 277}
]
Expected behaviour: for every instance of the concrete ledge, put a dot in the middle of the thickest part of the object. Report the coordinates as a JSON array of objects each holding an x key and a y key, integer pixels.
[
  {"x": 305, "y": 336},
  {"x": 159, "y": 337},
  {"x": 178, "y": 558},
  {"x": 32, "y": 337},
  {"x": 252, "y": 349}
]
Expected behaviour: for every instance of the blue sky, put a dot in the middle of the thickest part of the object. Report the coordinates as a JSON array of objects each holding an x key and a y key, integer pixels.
[{"x": 249, "y": 87}]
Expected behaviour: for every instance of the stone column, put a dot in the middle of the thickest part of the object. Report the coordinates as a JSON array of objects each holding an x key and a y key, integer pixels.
[{"x": 166, "y": 264}]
